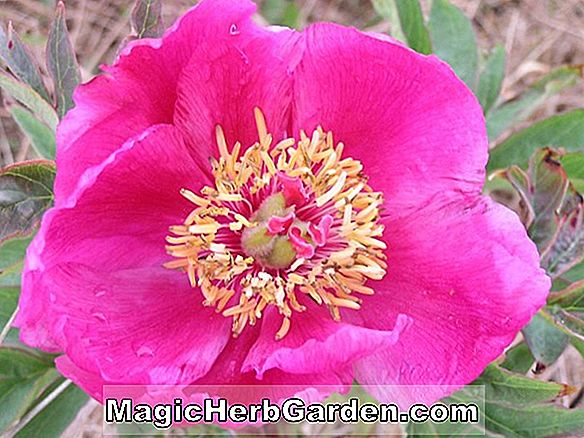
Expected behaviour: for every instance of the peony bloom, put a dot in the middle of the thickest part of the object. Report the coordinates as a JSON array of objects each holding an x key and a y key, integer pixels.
[{"x": 259, "y": 206}]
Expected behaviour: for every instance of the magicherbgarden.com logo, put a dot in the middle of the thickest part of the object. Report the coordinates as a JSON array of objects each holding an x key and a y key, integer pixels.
[{"x": 292, "y": 410}]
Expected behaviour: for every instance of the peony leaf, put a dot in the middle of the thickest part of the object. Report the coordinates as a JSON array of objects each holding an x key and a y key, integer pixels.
[
  {"x": 25, "y": 193},
  {"x": 8, "y": 309},
  {"x": 571, "y": 298},
  {"x": 413, "y": 26},
  {"x": 61, "y": 62},
  {"x": 567, "y": 249},
  {"x": 281, "y": 12},
  {"x": 20, "y": 62},
  {"x": 574, "y": 274},
  {"x": 147, "y": 18},
  {"x": 507, "y": 114},
  {"x": 11, "y": 260},
  {"x": 41, "y": 137},
  {"x": 565, "y": 130},
  {"x": 518, "y": 359},
  {"x": 570, "y": 323},
  {"x": 573, "y": 163},
  {"x": 549, "y": 185},
  {"x": 29, "y": 98},
  {"x": 23, "y": 377},
  {"x": 387, "y": 9},
  {"x": 515, "y": 407},
  {"x": 491, "y": 78},
  {"x": 545, "y": 340},
  {"x": 454, "y": 40},
  {"x": 54, "y": 418}
]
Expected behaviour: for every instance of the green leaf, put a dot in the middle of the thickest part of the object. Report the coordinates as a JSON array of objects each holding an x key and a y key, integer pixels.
[
  {"x": 147, "y": 18},
  {"x": 491, "y": 78},
  {"x": 41, "y": 137},
  {"x": 571, "y": 298},
  {"x": 575, "y": 273},
  {"x": 61, "y": 62},
  {"x": 23, "y": 376},
  {"x": 549, "y": 185},
  {"x": 454, "y": 40},
  {"x": 11, "y": 259},
  {"x": 29, "y": 98},
  {"x": 281, "y": 12},
  {"x": 512, "y": 112},
  {"x": 571, "y": 323},
  {"x": 387, "y": 9},
  {"x": 413, "y": 26},
  {"x": 568, "y": 248},
  {"x": 515, "y": 407},
  {"x": 518, "y": 359},
  {"x": 8, "y": 303},
  {"x": 52, "y": 421},
  {"x": 565, "y": 130},
  {"x": 25, "y": 193},
  {"x": 573, "y": 164},
  {"x": 545, "y": 340},
  {"x": 20, "y": 62},
  {"x": 518, "y": 407}
]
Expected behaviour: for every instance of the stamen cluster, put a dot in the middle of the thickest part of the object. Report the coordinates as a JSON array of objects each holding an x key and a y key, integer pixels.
[{"x": 281, "y": 222}]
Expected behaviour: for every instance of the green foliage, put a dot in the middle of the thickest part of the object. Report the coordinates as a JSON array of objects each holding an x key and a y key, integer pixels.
[
  {"x": 26, "y": 191},
  {"x": 281, "y": 12},
  {"x": 491, "y": 78},
  {"x": 62, "y": 63},
  {"x": 147, "y": 18},
  {"x": 565, "y": 131},
  {"x": 23, "y": 376},
  {"x": 41, "y": 136},
  {"x": 52, "y": 421},
  {"x": 413, "y": 25},
  {"x": 506, "y": 115},
  {"x": 30, "y": 98},
  {"x": 545, "y": 341},
  {"x": 454, "y": 40},
  {"x": 14, "y": 53}
]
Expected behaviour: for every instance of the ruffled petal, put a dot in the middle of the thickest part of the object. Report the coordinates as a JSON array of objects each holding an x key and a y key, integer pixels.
[
  {"x": 138, "y": 90},
  {"x": 223, "y": 84},
  {"x": 417, "y": 129},
  {"x": 466, "y": 274},
  {"x": 315, "y": 343},
  {"x": 117, "y": 219},
  {"x": 145, "y": 326}
]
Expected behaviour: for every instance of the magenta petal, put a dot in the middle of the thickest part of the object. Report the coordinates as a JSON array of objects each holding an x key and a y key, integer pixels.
[
  {"x": 277, "y": 224},
  {"x": 467, "y": 275},
  {"x": 316, "y": 343},
  {"x": 117, "y": 219},
  {"x": 138, "y": 90},
  {"x": 417, "y": 129},
  {"x": 292, "y": 189},
  {"x": 224, "y": 83}
]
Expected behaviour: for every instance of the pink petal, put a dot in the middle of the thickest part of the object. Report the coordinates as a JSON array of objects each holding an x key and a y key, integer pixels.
[
  {"x": 292, "y": 189},
  {"x": 143, "y": 326},
  {"x": 417, "y": 129},
  {"x": 465, "y": 272},
  {"x": 277, "y": 225},
  {"x": 223, "y": 83},
  {"x": 315, "y": 343},
  {"x": 117, "y": 219},
  {"x": 302, "y": 247},
  {"x": 138, "y": 90},
  {"x": 319, "y": 233}
]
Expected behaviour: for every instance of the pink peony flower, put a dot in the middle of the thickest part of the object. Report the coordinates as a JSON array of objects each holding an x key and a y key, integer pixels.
[{"x": 259, "y": 206}]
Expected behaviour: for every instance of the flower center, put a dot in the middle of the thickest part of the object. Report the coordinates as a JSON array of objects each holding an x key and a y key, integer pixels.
[{"x": 281, "y": 224}]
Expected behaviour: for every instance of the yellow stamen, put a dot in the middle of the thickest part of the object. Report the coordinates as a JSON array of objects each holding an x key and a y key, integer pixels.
[{"x": 229, "y": 279}]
